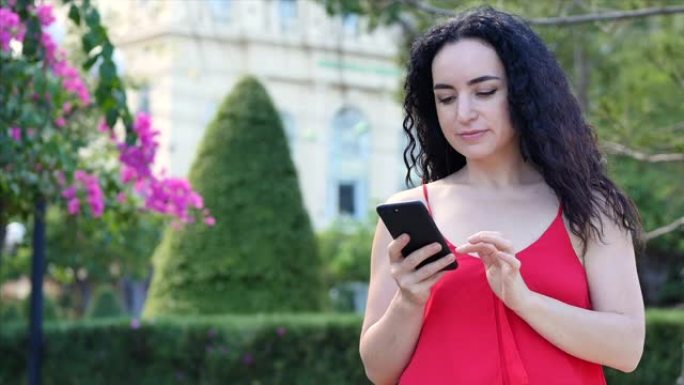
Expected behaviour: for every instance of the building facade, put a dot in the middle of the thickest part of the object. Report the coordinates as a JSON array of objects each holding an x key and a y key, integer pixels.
[{"x": 334, "y": 83}]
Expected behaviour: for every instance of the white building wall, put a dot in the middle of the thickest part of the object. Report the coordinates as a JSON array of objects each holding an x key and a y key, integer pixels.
[{"x": 190, "y": 55}]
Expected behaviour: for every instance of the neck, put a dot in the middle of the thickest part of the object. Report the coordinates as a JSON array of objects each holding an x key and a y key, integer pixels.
[{"x": 505, "y": 169}]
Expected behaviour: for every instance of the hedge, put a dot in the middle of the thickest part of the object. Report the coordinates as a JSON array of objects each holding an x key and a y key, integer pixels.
[{"x": 298, "y": 349}]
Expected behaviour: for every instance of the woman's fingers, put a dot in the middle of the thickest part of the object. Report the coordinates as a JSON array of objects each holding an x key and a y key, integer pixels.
[
  {"x": 414, "y": 283},
  {"x": 395, "y": 246},
  {"x": 481, "y": 248},
  {"x": 490, "y": 254},
  {"x": 432, "y": 268},
  {"x": 510, "y": 259},
  {"x": 414, "y": 259},
  {"x": 493, "y": 237}
]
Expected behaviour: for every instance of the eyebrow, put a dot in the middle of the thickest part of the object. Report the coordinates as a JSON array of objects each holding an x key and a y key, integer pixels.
[{"x": 480, "y": 79}]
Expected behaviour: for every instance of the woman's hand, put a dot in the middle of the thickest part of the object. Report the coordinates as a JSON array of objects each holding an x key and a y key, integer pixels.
[
  {"x": 414, "y": 285},
  {"x": 501, "y": 266}
]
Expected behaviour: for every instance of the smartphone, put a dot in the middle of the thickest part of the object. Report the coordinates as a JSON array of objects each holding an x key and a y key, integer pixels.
[{"x": 413, "y": 218}]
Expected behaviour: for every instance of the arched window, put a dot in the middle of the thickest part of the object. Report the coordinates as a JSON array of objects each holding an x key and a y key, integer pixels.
[
  {"x": 290, "y": 130},
  {"x": 350, "y": 153},
  {"x": 220, "y": 9},
  {"x": 144, "y": 99},
  {"x": 287, "y": 13}
]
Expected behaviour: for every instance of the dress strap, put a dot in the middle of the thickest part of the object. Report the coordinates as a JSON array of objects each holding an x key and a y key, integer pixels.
[{"x": 427, "y": 199}]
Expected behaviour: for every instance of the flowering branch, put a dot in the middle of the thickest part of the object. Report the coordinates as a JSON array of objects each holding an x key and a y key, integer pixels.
[{"x": 40, "y": 90}]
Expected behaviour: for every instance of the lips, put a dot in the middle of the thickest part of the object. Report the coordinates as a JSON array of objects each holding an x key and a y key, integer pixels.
[{"x": 471, "y": 135}]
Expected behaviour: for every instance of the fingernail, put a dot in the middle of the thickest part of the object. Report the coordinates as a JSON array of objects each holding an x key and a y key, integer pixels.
[{"x": 436, "y": 246}]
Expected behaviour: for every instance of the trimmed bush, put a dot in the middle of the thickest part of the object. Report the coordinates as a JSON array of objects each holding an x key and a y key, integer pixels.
[
  {"x": 303, "y": 349},
  {"x": 105, "y": 304},
  {"x": 276, "y": 349},
  {"x": 261, "y": 255},
  {"x": 11, "y": 312},
  {"x": 346, "y": 248}
]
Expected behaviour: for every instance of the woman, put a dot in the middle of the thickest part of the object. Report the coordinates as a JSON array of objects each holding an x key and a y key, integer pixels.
[{"x": 546, "y": 291}]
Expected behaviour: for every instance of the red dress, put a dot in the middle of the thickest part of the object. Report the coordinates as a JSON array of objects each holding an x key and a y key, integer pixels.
[{"x": 470, "y": 337}]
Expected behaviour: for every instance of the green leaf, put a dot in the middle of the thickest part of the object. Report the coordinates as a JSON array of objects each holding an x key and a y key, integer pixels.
[
  {"x": 120, "y": 97},
  {"x": 111, "y": 117},
  {"x": 107, "y": 50},
  {"x": 74, "y": 15},
  {"x": 90, "y": 40},
  {"x": 107, "y": 71},
  {"x": 32, "y": 37},
  {"x": 93, "y": 18},
  {"x": 90, "y": 62}
]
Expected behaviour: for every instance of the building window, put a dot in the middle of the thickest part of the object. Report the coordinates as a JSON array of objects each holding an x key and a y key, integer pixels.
[
  {"x": 144, "y": 99},
  {"x": 290, "y": 130},
  {"x": 350, "y": 24},
  {"x": 349, "y": 158},
  {"x": 220, "y": 9},
  {"x": 345, "y": 197},
  {"x": 287, "y": 14}
]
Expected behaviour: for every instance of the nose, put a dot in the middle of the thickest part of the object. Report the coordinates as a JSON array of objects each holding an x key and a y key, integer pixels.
[{"x": 465, "y": 112}]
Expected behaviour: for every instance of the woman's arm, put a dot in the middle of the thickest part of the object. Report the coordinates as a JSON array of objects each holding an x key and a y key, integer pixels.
[
  {"x": 397, "y": 295},
  {"x": 611, "y": 334}
]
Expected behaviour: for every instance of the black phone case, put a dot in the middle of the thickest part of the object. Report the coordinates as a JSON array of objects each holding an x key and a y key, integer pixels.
[{"x": 413, "y": 218}]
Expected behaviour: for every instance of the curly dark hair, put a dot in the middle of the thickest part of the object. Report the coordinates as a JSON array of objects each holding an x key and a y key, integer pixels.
[{"x": 543, "y": 111}]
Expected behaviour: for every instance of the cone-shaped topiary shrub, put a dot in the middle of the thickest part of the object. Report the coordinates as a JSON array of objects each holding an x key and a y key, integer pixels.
[
  {"x": 261, "y": 255},
  {"x": 105, "y": 304}
]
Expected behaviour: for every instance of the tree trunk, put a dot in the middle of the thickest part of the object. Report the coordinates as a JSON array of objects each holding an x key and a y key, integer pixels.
[
  {"x": 3, "y": 230},
  {"x": 37, "y": 273},
  {"x": 84, "y": 292}
]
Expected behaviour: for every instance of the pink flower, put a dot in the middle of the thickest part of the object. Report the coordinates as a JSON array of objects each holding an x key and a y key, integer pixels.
[
  {"x": 121, "y": 197},
  {"x": 248, "y": 359},
  {"x": 15, "y": 133},
  {"x": 169, "y": 196},
  {"x": 44, "y": 13},
  {"x": 10, "y": 28},
  {"x": 73, "y": 207},
  {"x": 50, "y": 48},
  {"x": 71, "y": 79},
  {"x": 69, "y": 193},
  {"x": 135, "y": 324},
  {"x": 59, "y": 175},
  {"x": 103, "y": 127},
  {"x": 93, "y": 193},
  {"x": 60, "y": 122}
]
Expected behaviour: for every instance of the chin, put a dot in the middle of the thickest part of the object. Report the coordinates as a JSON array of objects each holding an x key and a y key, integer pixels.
[{"x": 475, "y": 152}]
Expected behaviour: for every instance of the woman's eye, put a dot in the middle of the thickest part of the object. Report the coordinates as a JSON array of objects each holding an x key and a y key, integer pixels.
[
  {"x": 486, "y": 93},
  {"x": 446, "y": 100}
]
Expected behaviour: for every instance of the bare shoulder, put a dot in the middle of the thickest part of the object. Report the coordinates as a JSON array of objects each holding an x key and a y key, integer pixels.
[
  {"x": 412, "y": 194},
  {"x": 611, "y": 231}
]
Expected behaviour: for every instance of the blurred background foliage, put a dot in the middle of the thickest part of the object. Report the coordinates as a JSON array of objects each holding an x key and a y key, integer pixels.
[{"x": 628, "y": 76}]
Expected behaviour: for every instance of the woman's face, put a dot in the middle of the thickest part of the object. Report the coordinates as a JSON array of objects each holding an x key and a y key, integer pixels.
[{"x": 469, "y": 84}]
